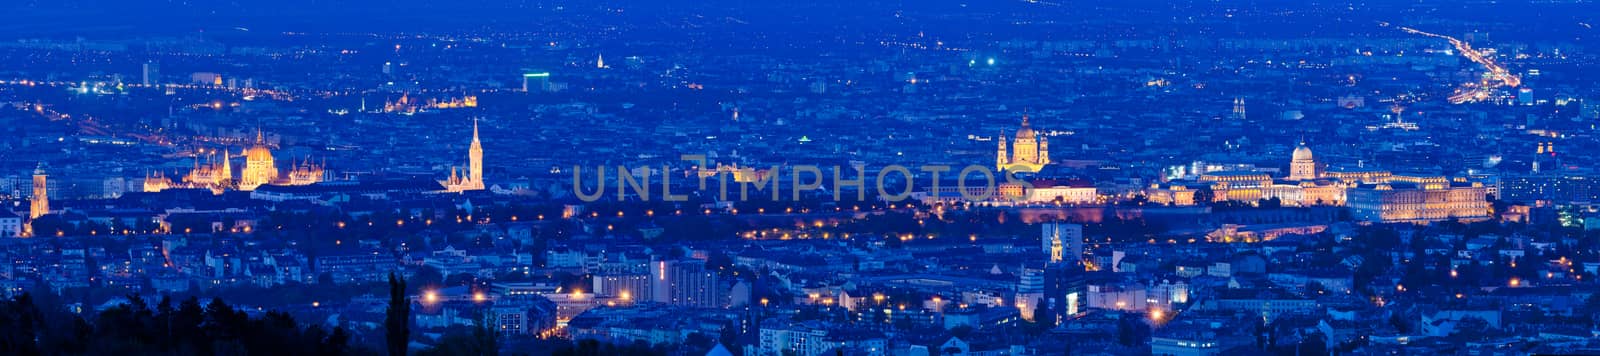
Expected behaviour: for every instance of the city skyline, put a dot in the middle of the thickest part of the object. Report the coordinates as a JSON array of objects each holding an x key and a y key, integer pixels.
[{"x": 881, "y": 178}]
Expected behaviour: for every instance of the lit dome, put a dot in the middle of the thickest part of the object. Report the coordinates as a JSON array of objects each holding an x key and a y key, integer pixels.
[
  {"x": 1302, "y": 153},
  {"x": 1026, "y": 132},
  {"x": 261, "y": 153}
]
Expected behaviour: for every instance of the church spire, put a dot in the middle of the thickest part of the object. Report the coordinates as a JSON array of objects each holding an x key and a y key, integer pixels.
[{"x": 227, "y": 167}]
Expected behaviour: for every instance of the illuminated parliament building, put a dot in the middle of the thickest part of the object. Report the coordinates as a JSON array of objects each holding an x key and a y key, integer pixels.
[{"x": 216, "y": 173}]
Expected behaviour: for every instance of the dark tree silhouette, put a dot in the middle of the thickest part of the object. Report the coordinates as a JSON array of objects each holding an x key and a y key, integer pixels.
[
  {"x": 30, "y": 326},
  {"x": 397, "y": 322}
]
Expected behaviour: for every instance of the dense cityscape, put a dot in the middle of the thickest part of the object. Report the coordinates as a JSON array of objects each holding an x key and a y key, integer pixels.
[{"x": 888, "y": 178}]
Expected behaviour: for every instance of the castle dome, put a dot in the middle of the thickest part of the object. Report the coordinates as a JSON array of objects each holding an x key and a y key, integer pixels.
[{"x": 1302, "y": 153}]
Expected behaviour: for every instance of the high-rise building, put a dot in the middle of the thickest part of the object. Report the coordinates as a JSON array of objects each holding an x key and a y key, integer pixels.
[
  {"x": 535, "y": 82},
  {"x": 1064, "y": 293},
  {"x": 1590, "y": 109},
  {"x": 622, "y": 285},
  {"x": 1554, "y": 188},
  {"x": 1063, "y": 242},
  {"x": 686, "y": 283},
  {"x": 151, "y": 74},
  {"x": 1238, "y": 108}
]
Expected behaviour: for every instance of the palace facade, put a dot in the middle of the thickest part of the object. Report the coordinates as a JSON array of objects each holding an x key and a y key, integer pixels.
[{"x": 1372, "y": 195}]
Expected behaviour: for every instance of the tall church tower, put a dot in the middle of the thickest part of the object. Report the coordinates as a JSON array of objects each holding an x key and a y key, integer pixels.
[
  {"x": 227, "y": 167},
  {"x": 1003, "y": 157},
  {"x": 1044, "y": 150},
  {"x": 470, "y": 177},
  {"x": 475, "y": 157},
  {"x": 40, "y": 204},
  {"x": 1056, "y": 250}
]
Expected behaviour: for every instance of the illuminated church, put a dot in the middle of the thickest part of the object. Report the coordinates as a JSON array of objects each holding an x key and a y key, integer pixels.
[
  {"x": 217, "y": 175},
  {"x": 1028, "y": 152},
  {"x": 470, "y": 178}
]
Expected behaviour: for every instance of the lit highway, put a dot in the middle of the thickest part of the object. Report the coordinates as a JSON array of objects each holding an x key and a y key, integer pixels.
[{"x": 1497, "y": 76}]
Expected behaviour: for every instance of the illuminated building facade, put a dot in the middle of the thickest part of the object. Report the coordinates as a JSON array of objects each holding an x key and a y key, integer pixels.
[
  {"x": 1064, "y": 242},
  {"x": 40, "y": 203},
  {"x": 1302, "y": 166},
  {"x": 217, "y": 174},
  {"x": 304, "y": 173},
  {"x": 408, "y": 105},
  {"x": 686, "y": 283},
  {"x": 1028, "y": 153},
  {"x": 1063, "y": 192},
  {"x": 1433, "y": 199},
  {"x": 739, "y": 174},
  {"x": 1307, "y": 184},
  {"x": 259, "y": 168},
  {"x": 470, "y": 178}
]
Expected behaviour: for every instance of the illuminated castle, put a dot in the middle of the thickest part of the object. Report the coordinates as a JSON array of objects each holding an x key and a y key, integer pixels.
[
  {"x": 407, "y": 104},
  {"x": 470, "y": 178},
  {"x": 1302, "y": 166},
  {"x": 1371, "y": 195},
  {"x": 1028, "y": 154}
]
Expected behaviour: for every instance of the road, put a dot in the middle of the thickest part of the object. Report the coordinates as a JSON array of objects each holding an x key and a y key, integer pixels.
[{"x": 1497, "y": 76}]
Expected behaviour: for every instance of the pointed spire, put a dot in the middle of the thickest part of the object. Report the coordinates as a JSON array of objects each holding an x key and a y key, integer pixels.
[
  {"x": 474, "y": 129},
  {"x": 259, "y": 138}
]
